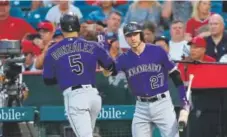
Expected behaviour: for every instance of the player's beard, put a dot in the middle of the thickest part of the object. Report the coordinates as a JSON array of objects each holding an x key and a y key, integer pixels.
[{"x": 136, "y": 45}]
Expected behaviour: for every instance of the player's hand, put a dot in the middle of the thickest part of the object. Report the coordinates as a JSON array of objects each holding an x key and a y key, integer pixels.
[
  {"x": 106, "y": 73},
  {"x": 183, "y": 119}
]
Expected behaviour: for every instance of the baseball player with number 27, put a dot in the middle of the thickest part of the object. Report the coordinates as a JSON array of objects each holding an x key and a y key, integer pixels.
[
  {"x": 72, "y": 64},
  {"x": 147, "y": 68}
]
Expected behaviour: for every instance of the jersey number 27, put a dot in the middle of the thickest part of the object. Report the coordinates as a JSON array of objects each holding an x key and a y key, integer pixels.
[
  {"x": 78, "y": 67},
  {"x": 157, "y": 81}
]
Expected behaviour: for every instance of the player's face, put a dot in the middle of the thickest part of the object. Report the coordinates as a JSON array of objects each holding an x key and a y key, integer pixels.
[
  {"x": 133, "y": 39},
  {"x": 196, "y": 53}
]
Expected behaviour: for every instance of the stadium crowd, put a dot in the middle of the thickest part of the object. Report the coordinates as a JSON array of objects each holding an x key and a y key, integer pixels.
[
  {"x": 170, "y": 24},
  {"x": 187, "y": 30}
]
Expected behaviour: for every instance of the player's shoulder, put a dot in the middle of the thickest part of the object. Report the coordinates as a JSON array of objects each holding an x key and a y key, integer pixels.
[
  {"x": 154, "y": 48},
  {"x": 124, "y": 55}
]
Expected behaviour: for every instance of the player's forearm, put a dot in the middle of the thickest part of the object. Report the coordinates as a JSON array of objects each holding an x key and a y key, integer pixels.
[{"x": 175, "y": 76}]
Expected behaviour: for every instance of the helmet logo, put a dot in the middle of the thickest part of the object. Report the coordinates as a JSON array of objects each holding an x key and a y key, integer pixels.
[{"x": 70, "y": 28}]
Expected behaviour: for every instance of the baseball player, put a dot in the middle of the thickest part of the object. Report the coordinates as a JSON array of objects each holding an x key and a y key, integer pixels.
[
  {"x": 147, "y": 68},
  {"x": 72, "y": 64}
]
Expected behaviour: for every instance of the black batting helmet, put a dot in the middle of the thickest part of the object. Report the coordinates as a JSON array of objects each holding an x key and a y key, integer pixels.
[
  {"x": 133, "y": 27},
  {"x": 69, "y": 22}
]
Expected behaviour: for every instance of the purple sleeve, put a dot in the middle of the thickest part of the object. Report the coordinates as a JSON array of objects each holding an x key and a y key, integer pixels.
[
  {"x": 118, "y": 65},
  {"x": 103, "y": 57},
  {"x": 48, "y": 67},
  {"x": 183, "y": 98},
  {"x": 168, "y": 64}
]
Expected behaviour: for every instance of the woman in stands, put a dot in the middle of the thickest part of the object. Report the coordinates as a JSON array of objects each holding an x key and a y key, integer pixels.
[{"x": 199, "y": 20}]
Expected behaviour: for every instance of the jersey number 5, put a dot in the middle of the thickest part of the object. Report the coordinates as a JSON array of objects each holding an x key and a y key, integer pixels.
[
  {"x": 157, "y": 81},
  {"x": 77, "y": 65}
]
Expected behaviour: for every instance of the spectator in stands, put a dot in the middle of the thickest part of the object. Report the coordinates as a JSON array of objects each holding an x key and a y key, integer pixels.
[
  {"x": 149, "y": 32},
  {"x": 36, "y": 4},
  {"x": 54, "y": 14},
  {"x": 28, "y": 51},
  {"x": 10, "y": 27},
  {"x": 141, "y": 11},
  {"x": 163, "y": 42},
  {"x": 197, "y": 54},
  {"x": 46, "y": 30},
  {"x": 106, "y": 7},
  {"x": 178, "y": 45},
  {"x": 177, "y": 10},
  {"x": 217, "y": 42},
  {"x": 199, "y": 20},
  {"x": 114, "y": 47},
  {"x": 113, "y": 22},
  {"x": 58, "y": 36}
]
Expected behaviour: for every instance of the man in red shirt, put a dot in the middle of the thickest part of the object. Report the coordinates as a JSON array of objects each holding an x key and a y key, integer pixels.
[
  {"x": 10, "y": 27},
  {"x": 197, "y": 54}
]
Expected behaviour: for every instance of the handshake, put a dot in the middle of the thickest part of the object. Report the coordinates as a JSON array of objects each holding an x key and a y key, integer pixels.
[{"x": 106, "y": 73}]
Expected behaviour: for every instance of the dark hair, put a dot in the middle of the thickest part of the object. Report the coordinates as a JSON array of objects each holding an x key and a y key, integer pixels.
[
  {"x": 150, "y": 26},
  {"x": 162, "y": 38},
  {"x": 176, "y": 21}
]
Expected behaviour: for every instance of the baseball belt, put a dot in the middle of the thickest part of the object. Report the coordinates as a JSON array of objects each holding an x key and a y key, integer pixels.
[
  {"x": 152, "y": 98},
  {"x": 81, "y": 86}
]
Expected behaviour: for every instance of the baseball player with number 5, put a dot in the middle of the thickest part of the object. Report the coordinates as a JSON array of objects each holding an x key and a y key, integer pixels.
[
  {"x": 72, "y": 64},
  {"x": 147, "y": 68}
]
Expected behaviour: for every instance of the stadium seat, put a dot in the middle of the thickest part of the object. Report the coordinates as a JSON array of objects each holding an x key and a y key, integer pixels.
[
  {"x": 166, "y": 33},
  {"x": 224, "y": 15},
  {"x": 80, "y": 3},
  {"x": 17, "y": 12},
  {"x": 37, "y": 16},
  {"x": 216, "y": 6},
  {"x": 22, "y": 4},
  {"x": 123, "y": 8},
  {"x": 87, "y": 9}
]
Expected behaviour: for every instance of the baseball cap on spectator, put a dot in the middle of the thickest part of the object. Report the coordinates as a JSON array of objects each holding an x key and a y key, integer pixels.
[
  {"x": 4, "y": 2},
  {"x": 198, "y": 42},
  {"x": 162, "y": 38},
  {"x": 45, "y": 25},
  {"x": 57, "y": 33}
]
